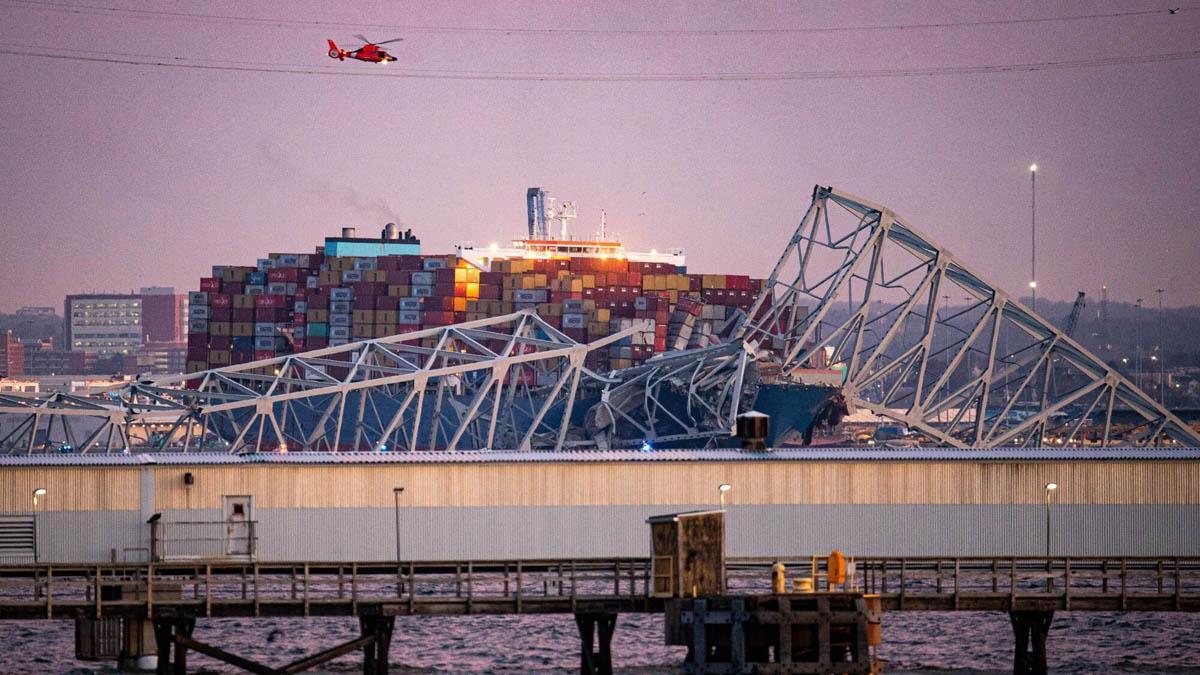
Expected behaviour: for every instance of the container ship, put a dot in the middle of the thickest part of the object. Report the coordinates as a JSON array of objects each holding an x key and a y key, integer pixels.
[{"x": 356, "y": 288}]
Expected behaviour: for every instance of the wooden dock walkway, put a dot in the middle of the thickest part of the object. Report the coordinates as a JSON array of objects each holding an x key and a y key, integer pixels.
[
  {"x": 171, "y": 596},
  {"x": 247, "y": 589}
]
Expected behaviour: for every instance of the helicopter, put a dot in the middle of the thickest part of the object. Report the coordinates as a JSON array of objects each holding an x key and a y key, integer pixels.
[{"x": 369, "y": 52}]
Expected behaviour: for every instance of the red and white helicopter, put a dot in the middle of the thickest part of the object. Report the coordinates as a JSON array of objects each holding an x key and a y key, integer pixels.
[{"x": 369, "y": 52}]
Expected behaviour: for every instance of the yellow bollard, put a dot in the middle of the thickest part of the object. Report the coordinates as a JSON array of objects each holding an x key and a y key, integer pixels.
[{"x": 779, "y": 578}]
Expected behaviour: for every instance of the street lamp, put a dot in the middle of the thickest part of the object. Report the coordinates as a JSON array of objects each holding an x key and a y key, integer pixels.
[
  {"x": 1033, "y": 236},
  {"x": 1050, "y": 488},
  {"x": 723, "y": 488},
  {"x": 37, "y": 492},
  {"x": 396, "y": 492}
]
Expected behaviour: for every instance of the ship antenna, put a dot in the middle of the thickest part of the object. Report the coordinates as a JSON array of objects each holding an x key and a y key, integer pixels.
[{"x": 603, "y": 227}]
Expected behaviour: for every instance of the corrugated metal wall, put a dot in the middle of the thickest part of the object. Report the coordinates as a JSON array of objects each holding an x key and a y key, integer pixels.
[
  {"x": 584, "y": 509},
  {"x": 581, "y": 531}
]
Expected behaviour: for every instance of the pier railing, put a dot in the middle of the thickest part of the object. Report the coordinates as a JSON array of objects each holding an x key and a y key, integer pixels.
[{"x": 579, "y": 585}]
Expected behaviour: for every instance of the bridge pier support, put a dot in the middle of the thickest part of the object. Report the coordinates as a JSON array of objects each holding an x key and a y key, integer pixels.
[
  {"x": 375, "y": 652},
  {"x": 1030, "y": 628},
  {"x": 594, "y": 661},
  {"x": 165, "y": 632}
]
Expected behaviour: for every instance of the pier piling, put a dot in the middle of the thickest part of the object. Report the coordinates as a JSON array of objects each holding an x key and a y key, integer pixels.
[
  {"x": 595, "y": 661},
  {"x": 1030, "y": 629}
]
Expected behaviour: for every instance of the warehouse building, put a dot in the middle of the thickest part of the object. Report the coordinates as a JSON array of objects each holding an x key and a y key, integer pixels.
[{"x": 505, "y": 505}]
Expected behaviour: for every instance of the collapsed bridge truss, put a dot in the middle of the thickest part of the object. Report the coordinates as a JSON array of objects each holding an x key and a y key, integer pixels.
[
  {"x": 925, "y": 340},
  {"x": 921, "y": 337}
]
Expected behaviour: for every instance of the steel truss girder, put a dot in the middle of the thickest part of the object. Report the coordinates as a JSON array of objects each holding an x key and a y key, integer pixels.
[
  {"x": 507, "y": 381},
  {"x": 946, "y": 369}
]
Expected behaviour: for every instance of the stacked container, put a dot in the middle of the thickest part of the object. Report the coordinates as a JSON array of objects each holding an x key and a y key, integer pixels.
[{"x": 297, "y": 302}]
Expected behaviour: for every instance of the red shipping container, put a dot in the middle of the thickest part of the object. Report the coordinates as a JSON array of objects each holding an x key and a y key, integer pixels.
[
  {"x": 444, "y": 275},
  {"x": 399, "y": 277},
  {"x": 446, "y": 303},
  {"x": 316, "y": 342},
  {"x": 220, "y": 314},
  {"x": 317, "y": 301},
  {"x": 364, "y": 301},
  {"x": 695, "y": 282},
  {"x": 412, "y": 263},
  {"x": 260, "y": 355},
  {"x": 271, "y": 315},
  {"x": 220, "y": 342},
  {"x": 491, "y": 278},
  {"x": 300, "y": 318},
  {"x": 283, "y": 274},
  {"x": 271, "y": 301},
  {"x": 220, "y": 300},
  {"x": 243, "y": 315},
  {"x": 444, "y": 288},
  {"x": 197, "y": 353},
  {"x": 387, "y": 263},
  {"x": 660, "y": 344},
  {"x": 299, "y": 344},
  {"x": 493, "y": 292},
  {"x": 198, "y": 340},
  {"x": 210, "y": 284}
]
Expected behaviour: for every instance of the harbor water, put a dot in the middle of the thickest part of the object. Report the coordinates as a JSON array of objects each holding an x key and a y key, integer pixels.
[{"x": 961, "y": 642}]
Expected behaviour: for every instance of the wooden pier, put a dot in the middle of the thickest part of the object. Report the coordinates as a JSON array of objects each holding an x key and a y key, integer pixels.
[{"x": 166, "y": 599}]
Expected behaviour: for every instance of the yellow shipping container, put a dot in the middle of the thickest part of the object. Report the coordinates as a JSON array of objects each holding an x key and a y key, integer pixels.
[
  {"x": 540, "y": 280},
  {"x": 243, "y": 329},
  {"x": 363, "y": 330},
  {"x": 218, "y": 357},
  {"x": 460, "y": 304},
  {"x": 222, "y": 328},
  {"x": 317, "y": 315},
  {"x": 603, "y": 314},
  {"x": 472, "y": 289},
  {"x": 385, "y": 329},
  {"x": 376, "y": 275},
  {"x": 589, "y": 281},
  {"x": 329, "y": 278},
  {"x": 529, "y": 282},
  {"x": 243, "y": 301},
  {"x": 577, "y": 285},
  {"x": 385, "y": 316},
  {"x": 364, "y": 316}
]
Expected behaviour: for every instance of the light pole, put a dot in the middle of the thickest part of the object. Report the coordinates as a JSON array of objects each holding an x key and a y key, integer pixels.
[
  {"x": 1162, "y": 354},
  {"x": 37, "y": 492},
  {"x": 396, "y": 492},
  {"x": 1050, "y": 488},
  {"x": 1033, "y": 236},
  {"x": 1137, "y": 349},
  {"x": 723, "y": 488}
]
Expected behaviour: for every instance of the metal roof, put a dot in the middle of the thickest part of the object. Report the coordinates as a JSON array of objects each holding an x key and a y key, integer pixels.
[{"x": 850, "y": 454}]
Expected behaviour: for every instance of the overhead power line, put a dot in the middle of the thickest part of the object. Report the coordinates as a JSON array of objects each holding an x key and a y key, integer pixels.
[
  {"x": 105, "y": 10},
  {"x": 377, "y": 72}
]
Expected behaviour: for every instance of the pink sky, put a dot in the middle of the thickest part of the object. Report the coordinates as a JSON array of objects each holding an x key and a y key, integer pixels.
[{"x": 114, "y": 177}]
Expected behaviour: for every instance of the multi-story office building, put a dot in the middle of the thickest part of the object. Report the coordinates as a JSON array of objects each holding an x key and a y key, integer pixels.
[{"x": 104, "y": 324}]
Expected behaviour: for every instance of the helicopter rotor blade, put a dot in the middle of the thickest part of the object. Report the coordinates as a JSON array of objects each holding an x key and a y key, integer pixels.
[
  {"x": 385, "y": 42},
  {"x": 360, "y": 37}
]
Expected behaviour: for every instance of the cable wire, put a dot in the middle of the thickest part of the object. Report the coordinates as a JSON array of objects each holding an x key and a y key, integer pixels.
[
  {"x": 49, "y": 5},
  {"x": 299, "y": 69}
]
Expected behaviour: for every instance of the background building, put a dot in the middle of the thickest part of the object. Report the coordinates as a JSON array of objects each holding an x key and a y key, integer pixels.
[
  {"x": 12, "y": 355},
  {"x": 109, "y": 324}
]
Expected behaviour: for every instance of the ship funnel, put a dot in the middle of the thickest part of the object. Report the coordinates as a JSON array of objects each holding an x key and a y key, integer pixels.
[
  {"x": 390, "y": 231},
  {"x": 348, "y": 232}
]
